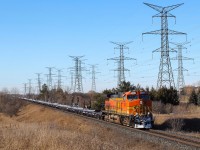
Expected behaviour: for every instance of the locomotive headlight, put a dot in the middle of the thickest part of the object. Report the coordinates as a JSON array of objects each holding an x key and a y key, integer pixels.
[{"x": 141, "y": 102}]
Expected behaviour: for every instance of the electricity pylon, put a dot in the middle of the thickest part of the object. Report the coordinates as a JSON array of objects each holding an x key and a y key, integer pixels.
[
  {"x": 180, "y": 69},
  {"x": 47, "y": 79},
  {"x": 59, "y": 82},
  {"x": 120, "y": 60},
  {"x": 78, "y": 87},
  {"x": 25, "y": 87},
  {"x": 72, "y": 80},
  {"x": 93, "y": 72},
  {"x": 165, "y": 75},
  {"x": 49, "y": 83},
  {"x": 29, "y": 86},
  {"x": 39, "y": 81}
]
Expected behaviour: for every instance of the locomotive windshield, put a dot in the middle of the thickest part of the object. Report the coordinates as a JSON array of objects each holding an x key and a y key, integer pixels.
[
  {"x": 131, "y": 97},
  {"x": 144, "y": 96}
]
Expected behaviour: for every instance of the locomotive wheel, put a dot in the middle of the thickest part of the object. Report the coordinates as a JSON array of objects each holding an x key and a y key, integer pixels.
[
  {"x": 121, "y": 120},
  {"x": 126, "y": 121}
]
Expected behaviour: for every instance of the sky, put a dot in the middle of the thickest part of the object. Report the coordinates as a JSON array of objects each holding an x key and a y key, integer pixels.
[{"x": 36, "y": 34}]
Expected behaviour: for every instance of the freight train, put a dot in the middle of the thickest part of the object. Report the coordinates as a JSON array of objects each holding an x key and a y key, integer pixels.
[{"x": 131, "y": 109}]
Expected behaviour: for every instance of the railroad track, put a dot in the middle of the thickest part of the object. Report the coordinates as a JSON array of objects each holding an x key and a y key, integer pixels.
[
  {"x": 183, "y": 142},
  {"x": 178, "y": 138},
  {"x": 151, "y": 135}
]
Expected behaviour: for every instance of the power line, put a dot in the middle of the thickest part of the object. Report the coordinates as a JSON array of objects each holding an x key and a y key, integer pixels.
[
  {"x": 165, "y": 75},
  {"x": 120, "y": 60}
]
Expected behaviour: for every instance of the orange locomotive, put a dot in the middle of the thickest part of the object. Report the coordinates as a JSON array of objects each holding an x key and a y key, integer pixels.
[{"x": 131, "y": 109}]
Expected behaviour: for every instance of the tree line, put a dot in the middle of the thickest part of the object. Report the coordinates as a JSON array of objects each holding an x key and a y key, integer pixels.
[
  {"x": 10, "y": 104},
  {"x": 96, "y": 100},
  {"x": 164, "y": 95}
]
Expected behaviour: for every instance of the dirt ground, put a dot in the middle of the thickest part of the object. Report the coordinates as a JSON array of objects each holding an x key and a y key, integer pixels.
[{"x": 38, "y": 127}]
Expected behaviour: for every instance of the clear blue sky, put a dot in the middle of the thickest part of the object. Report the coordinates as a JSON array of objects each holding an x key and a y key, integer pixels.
[{"x": 35, "y": 34}]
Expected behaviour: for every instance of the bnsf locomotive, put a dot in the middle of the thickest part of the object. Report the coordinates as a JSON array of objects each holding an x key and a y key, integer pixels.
[{"x": 132, "y": 109}]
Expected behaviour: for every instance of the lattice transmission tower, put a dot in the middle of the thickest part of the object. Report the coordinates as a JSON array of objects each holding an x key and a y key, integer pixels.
[
  {"x": 29, "y": 87},
  {"x": 180, "y": 69},
  {"x": 120, "y": 61},
  {"x": 49, "y": 77},
  {"x": 39, "y": 81},
  {"x": 25, "y": 88},
  {"x": 72, "y": 80},
  {"x": 78, "y": 86},
  {"x": 59, "y": 81},
  {"x": 165, "y": 75},
  {"x": 93, "y": 72}
]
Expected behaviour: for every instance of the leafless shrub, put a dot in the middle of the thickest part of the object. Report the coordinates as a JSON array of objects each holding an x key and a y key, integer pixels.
[
  {"x": 176, "y": 124},
  {"x": 168, "y": 108},
  {"x": 10, "y": 105},
  {"x": 156, "y": 106},
  {"x": 178, "y": 109},
  {"x": 191, "y": 108},
  {"x": 161, "y": 108}
]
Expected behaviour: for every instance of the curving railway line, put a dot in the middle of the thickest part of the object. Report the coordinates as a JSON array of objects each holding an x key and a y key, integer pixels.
[{"x": 176, "y": 141}]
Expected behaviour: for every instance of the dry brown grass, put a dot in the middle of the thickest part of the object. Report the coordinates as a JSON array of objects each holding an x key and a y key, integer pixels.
[
  {"x": 37, "y": 127},
  {"x": 182, "y": 111}
]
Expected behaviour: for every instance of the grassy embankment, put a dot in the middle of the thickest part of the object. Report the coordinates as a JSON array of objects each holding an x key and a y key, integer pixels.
[
  {"x": 36, "y": 127},
  {"x": 29, "y": 126}
]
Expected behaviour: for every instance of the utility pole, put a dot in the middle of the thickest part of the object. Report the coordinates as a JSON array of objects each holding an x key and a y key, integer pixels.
[
  {"x": 50, "y": 77},
  {"x": 120, "y": 60},
  {"x": 78, "y": 87},
  {"x": 93, "y": 72},
  {"x": 180, "y": 69},
  {"x": 165, "y": 75},
  {"x": 39, "y": 81}
]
